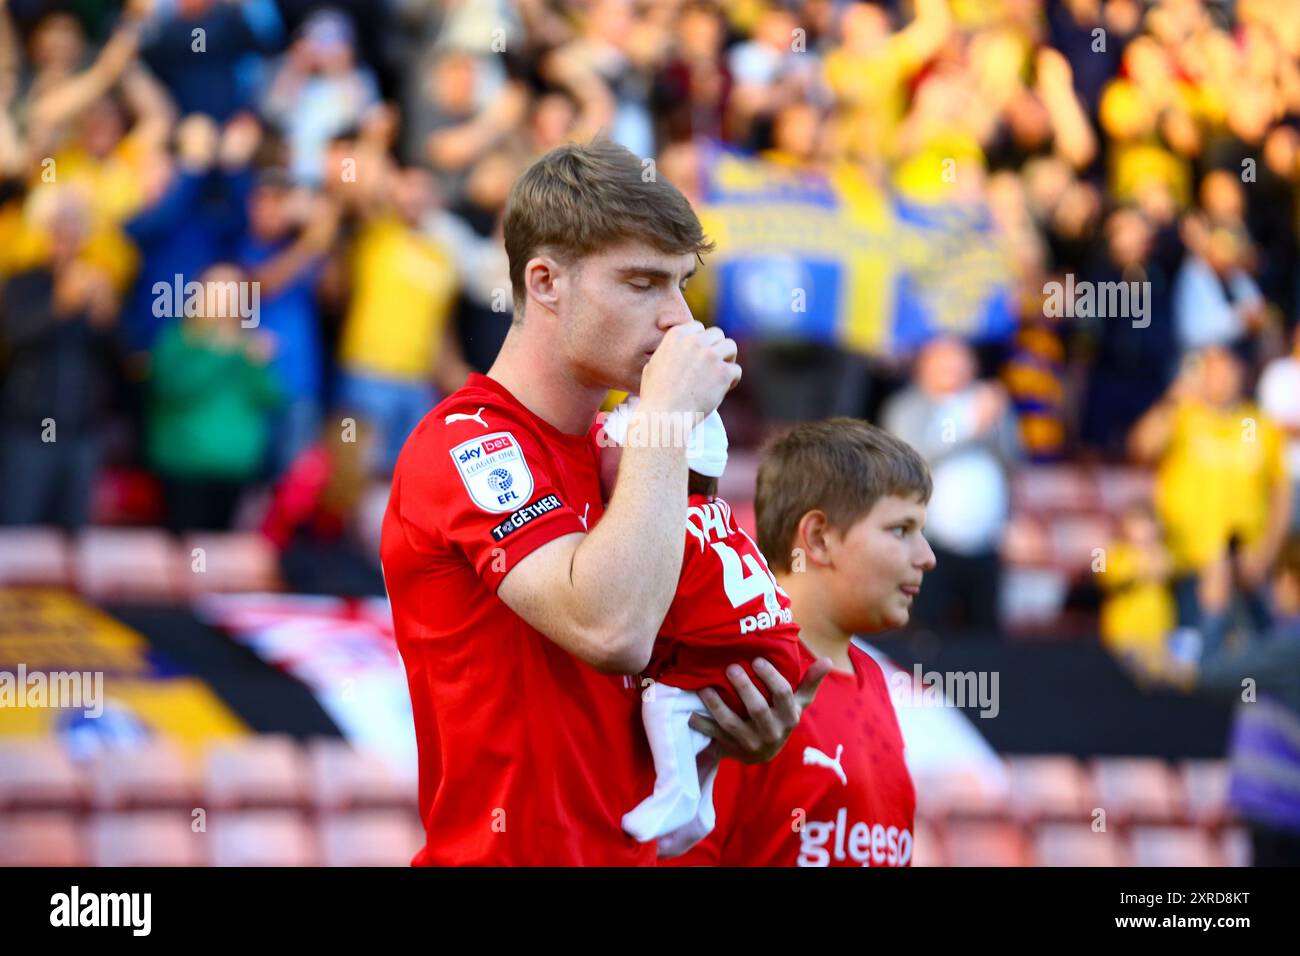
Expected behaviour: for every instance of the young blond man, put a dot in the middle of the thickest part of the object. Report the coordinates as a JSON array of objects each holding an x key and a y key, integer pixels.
[{"x": 523, "y": 607}]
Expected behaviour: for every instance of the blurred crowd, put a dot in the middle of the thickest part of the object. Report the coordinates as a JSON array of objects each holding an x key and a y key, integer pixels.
[{"x": 246, "y": 245}]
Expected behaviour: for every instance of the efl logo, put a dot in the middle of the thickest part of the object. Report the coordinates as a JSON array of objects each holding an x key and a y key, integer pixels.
[
  {"x": 874, "y": 845},
  {"x": 494, "y": 471}
]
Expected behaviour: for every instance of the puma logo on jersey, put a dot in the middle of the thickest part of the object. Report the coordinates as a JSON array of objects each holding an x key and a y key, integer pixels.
[
  {"x": 812, "y": 757},
  {"x": 460, "y": 417},
  {"x": 583, "y": 519}
]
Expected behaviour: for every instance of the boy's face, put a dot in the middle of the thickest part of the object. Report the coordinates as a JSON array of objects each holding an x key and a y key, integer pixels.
[{"x": 876, "y": 566}]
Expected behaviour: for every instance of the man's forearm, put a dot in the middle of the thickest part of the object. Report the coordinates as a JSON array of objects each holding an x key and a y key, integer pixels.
[
  {"x": 1151, "y": 434},
  {"x": 626, "y": 571}
]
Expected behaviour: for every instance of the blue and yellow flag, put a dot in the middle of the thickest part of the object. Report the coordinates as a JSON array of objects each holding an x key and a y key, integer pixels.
[
  {"x": 955, "y": 278},
  {"x": 801, "y": 255},
  {"x": 831, "y": 257}
]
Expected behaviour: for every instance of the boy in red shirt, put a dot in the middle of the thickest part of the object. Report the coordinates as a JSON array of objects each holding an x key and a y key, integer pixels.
[
  {"x": 728, "y": 609},
  {"x": 840, "y": 507}
]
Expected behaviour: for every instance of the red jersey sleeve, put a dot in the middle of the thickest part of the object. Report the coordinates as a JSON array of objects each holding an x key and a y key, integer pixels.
[{"x": 491, "y": 495}]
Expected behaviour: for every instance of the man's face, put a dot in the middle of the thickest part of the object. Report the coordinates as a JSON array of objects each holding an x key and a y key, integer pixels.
[
  {"x": 877, "y": 566},
  {"x": 614, "y": 308}
]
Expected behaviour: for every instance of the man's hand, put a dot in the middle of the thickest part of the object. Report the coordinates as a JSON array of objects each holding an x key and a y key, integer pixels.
[
  {"x": 769, "y": 726},
  {"x": 690, "y": 372}
]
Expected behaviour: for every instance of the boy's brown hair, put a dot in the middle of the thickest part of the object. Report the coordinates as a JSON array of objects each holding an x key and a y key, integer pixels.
[
  {"x": 840, "y": 466},
  {"x": 584, "y": 197}
]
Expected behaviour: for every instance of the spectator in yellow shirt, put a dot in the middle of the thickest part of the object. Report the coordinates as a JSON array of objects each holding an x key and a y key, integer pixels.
[
  {"x": 1137, "y": 613},
  {"x": 397, "y": 348},
  {"x": 1221, "y": 478},
  {"x": 868, "y": 73}
]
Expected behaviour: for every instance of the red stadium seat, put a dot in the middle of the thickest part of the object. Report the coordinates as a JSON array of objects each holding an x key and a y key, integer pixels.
[
  {"x": 1025, "y": 542},
  {"x": 46, "y": 838},
  {"x": 268, "y": 771},
  {"x": 127, "y": 564},
  {"x": 1119, "y": 488},
  {"x": 927, "y": 846},
  {"x": 1050, "y": 489},
  {"x": 1205, "y": 784},
  {"x": 154, "y": 774},
  {"x": 959, "y": 794},
  {"x": 1172, "y": 846},
  {"x": 1049, "y": 788},
  {"x": 146, "y": 838},
  {"x": 986, "y": 843},
  {"x": 262, "y": 838},
  {"x": 34, "y": 556},
  {"x": 228, "y": 562},
  {"x": 39, "y": 775},
  {"x": 371, "y": 838},
  {"x": 1077, "y": 844},
  {"x": 344, "y": 778},
  {"x": 1137, "y": 789},
  {"x": 1075, "y": 538}
]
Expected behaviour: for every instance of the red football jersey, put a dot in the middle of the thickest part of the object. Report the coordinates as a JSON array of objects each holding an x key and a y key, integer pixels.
[
  {"x": 838, "y": 794},
  {"x": 728, "y": 609},
  {"x": 528, "y": 756}
]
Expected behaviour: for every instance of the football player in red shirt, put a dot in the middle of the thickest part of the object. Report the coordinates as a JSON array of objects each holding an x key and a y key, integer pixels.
[
  {"x": 520, "y": 604},
  {"x": 840, "y": 507}
]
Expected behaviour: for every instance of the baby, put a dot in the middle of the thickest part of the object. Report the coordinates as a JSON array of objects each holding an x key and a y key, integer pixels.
[{"x": 728, "y": 609}]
